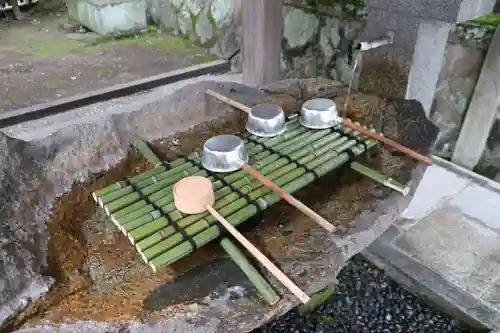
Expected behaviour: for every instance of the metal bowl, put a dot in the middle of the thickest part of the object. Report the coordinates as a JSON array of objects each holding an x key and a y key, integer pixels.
[
  {"x": 224, "y": 153},
  {"x": 266, "y": 120},
  {"x": 319, "y": 113}
]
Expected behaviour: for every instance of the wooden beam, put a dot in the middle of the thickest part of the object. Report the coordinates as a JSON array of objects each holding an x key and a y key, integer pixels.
[
  {"x": 262, "y": 35},
  {"x": 482, "y": 110}
]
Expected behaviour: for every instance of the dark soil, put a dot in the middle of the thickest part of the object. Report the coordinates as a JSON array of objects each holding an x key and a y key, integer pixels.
[
  {"x": 46, "y": 58},
  {"x": 384, "y": 77}
]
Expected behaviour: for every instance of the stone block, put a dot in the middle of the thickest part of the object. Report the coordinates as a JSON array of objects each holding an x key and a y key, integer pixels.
[
  {"x": 379, "y": 21},
  {"x": 481, "y": 204},
  {"x": 320, "y": 45},
  {"x": 492, "y": 296},
  {"x": 437, "y": 186},
  {"x": 484, "y": 104},
  {"x": 457, "y": 247},
  {"x": 457, "y": 79},
  {"x": 431, "y": 42},
  {"x": 215, "y": 24},
  {"x": 299, "y": 28},
  {"x": 109, "y": 16},
  {"x": 444, "y": 10}
]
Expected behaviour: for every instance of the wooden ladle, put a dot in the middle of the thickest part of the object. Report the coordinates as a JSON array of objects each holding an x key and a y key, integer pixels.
[{"x": 194, "y": 195}]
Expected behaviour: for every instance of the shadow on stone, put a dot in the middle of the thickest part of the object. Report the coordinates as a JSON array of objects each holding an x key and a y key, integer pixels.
[{"x": 197, "y": 285}]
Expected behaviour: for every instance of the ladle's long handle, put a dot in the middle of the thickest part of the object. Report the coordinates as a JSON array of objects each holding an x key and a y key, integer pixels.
[
  {"x": 228, "y": 100},
  {"x": 290, "y": 199},
  {"x": 387, "y": 141},
  {"x": 275, "y": 271}
]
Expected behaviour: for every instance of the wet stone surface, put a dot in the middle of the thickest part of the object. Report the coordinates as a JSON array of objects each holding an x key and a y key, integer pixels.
[
  {"x": 367, "y": 301},
  {"x": 98, "y": 280}
]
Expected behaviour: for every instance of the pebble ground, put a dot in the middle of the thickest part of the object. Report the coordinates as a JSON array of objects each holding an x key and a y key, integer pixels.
[{"x": 367, "y": 301}]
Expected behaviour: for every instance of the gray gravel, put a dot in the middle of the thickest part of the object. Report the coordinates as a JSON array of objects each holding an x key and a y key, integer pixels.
[{"x": 367, "y": 301}]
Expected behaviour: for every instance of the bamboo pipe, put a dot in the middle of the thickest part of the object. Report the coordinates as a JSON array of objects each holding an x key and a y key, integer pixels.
[
  {"x": 268, "y": 264},
  {"x": 144, "y": 175},
  {"x": 260, "y": 283},
  {"x": 380, "y": 178},
  {"x": 346, "y": 122}
]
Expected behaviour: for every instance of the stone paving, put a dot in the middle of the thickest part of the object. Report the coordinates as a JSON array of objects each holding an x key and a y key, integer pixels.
[{"x": 446, "y": 244}]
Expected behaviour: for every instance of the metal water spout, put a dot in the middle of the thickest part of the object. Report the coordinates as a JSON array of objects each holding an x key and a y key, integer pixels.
[
  {"x": 361, "y": 47},
  {"x": 374, "y": 43}
]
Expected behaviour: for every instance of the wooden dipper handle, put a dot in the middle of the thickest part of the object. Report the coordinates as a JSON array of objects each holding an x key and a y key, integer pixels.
[
  {"x": 272, "y": 268},
  {"x": 387, "y": 142},
  {"x": 290, "y": 199},
  {"x": 228, "y": 100}
]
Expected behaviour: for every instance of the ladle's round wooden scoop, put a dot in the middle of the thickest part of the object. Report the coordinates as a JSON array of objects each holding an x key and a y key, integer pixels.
[
  {"x": 194, "y": 195},
  {"x": 226, "y": 153}
]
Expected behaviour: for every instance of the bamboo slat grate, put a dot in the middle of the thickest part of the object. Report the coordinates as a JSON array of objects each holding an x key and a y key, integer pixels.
[{"x": 142, "y": 206}]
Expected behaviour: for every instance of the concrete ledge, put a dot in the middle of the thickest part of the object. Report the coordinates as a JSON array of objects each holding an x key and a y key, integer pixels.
[
  {"x": 476, "y": 178},
  {"x": 169, "y": 80}
]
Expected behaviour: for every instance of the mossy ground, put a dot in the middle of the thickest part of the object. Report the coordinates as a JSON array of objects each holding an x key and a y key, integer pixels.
[
  {"x": 46, "y": 58},
  {"x": 50, "y": 43}
]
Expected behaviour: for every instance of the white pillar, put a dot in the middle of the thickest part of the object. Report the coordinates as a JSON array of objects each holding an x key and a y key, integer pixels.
[{"x": 428, "y": 57}]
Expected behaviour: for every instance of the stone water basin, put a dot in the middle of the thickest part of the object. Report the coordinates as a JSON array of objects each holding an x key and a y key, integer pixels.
[{"x": 65, "y": 267}]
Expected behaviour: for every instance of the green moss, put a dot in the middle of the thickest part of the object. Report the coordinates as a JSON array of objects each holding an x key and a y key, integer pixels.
[
  {"x": 104, "y": 73},
  {"x": 358, "y": 4},
  {"x": 327, "y": 320},
  {"x": 486, "y": 170},
  {"x": 52, "y": 84},
  {"x": 316, "y": 300},
  {"x": 164, "y": 43},
  {"x": 55, "y": 46},
  {"x": 213, "y": 23},
  {"x": 352, "y": 8},
  {"x": 474, "y": 34},
  {"x": 50, "y": 47},
  {"x": 202, "y": 58},
  {"x": 5, "y": 102},
  {"x": 194, "y": 20},
  {"x": 492, "y": 19},
  {"x": 49, "y": 6}
]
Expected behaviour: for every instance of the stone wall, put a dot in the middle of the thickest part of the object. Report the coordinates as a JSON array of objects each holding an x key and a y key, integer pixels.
[
  {"x": 318, "y": 34},
  {"x": 460, "y": 70},
  {"x": 463, "y": 59}
]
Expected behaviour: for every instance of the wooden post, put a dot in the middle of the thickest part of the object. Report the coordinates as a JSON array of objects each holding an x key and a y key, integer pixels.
[
  {"x": 482, "y": 111},
  {"x": 262, "y": 35}
]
